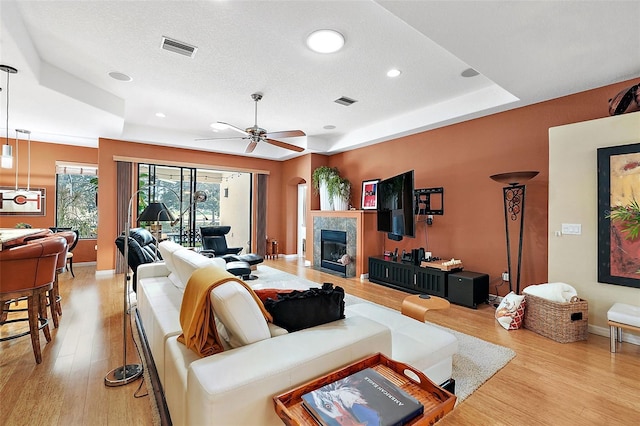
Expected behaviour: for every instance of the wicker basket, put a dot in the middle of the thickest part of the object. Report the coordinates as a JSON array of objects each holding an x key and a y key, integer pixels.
[{"x": 563, "y": 322}]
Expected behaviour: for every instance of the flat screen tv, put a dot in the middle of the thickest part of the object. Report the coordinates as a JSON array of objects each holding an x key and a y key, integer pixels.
[{"x": 395, "y": 205}]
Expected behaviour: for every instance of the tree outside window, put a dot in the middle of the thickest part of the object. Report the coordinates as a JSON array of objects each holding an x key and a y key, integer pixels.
[{"x": 76, "y": 201}]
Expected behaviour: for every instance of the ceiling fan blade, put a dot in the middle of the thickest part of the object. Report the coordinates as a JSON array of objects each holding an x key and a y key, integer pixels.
[
  {"x": 285, "y": 134},
  {"x": 232, "y": 127},
  {"x": 222, "y": 138},
  {"x": 251, "y": 147},
  {"x": 284, "y": 145}
]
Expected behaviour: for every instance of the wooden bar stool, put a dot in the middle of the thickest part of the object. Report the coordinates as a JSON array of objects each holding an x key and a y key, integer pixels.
[
  {"x": 56, "y": 306},
  {"x": 54, "y": 294},
  {"x": 28, "y": 271}
]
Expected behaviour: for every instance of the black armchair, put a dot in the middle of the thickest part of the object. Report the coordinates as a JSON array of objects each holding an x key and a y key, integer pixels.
[
  {"x": 142, "y": 249},
  {"x": 215, "y": 242}
]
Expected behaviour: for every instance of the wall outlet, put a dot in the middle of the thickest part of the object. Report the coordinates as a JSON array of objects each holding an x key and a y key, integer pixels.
[
  {"x": 505, "y": 276},
  {"x": 430, "y": 219}
]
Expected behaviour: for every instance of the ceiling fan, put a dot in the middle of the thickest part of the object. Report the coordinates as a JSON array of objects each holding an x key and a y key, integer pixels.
[{"x": 257, "y": 134}]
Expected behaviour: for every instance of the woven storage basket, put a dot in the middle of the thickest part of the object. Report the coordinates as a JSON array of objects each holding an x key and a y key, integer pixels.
[{"x": 563, "y": 322}]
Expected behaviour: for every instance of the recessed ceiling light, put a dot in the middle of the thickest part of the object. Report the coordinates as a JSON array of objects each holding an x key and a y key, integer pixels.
[
  {"x": 119, "y": 76},
  {"x": 160, "y": 114},
  {"x": 325, "y": 41},
  {"x": 329, "y": 127},
  {"x": 469, "y": 72},
  {"x": 393, "y": 73}
]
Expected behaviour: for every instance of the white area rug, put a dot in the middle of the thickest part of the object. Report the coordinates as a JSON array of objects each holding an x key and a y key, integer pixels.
[{"x": 476, "y": 361}]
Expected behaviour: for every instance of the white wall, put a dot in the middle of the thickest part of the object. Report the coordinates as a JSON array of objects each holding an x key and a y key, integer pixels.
[{"x": 573, "y": 198}]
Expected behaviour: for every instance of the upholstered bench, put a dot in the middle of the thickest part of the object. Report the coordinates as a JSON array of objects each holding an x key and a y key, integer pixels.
[{"x": 622, "y": 316}]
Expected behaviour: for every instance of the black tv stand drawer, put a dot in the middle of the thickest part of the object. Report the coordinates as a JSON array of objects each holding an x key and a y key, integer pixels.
[{"x": 407, "y": 276}]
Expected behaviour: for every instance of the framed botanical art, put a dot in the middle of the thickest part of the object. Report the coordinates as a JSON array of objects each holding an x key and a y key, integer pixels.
[
  {"x": 20, "y": 202},
  {"x": 619, "y": 215},
  {"x": 370, "y": 194}
]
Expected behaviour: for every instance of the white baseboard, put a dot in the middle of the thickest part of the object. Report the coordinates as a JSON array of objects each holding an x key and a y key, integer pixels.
[
  {"x": 604, "y": 331},
  {"x": 364, "y": 277},
  {"x": 106, "y": 273},
  {"x": 307, "y": 263},
  {"x": 291, "y": 256}
]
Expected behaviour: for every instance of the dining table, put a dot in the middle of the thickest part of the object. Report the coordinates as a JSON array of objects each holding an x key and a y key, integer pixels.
[{"x": 9, "y": 235}]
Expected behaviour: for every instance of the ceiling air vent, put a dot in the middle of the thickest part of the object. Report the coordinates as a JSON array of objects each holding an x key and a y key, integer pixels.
[
  {"x": 178, "y": 47},
  {"x": 345, "y": 101}
]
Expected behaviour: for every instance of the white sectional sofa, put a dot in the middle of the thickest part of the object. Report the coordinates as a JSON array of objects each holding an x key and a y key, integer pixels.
[{"x": 235, "y": 387}]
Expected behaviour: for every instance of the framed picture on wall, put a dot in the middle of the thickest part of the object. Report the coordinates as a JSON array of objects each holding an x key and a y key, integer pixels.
[
  {"x": 619, "y": 215},
  {"x": 370, "y": 194},
  {"x": 20, "y": 202}
]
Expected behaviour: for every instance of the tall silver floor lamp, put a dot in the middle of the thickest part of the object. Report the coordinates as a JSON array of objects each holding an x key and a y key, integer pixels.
[
  {"x": 127, "y": 373},
  {"x": 513, "y": 201}
]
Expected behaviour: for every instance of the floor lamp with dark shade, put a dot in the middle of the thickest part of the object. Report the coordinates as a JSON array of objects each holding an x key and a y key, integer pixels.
[
  {"x": 156, "y": 213},
  {"x": 127, "y": 373},
  {"x": 513, "y": 201}
]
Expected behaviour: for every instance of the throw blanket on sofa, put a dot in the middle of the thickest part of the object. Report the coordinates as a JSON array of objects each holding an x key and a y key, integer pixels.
[{"x": 199, "y": 332}]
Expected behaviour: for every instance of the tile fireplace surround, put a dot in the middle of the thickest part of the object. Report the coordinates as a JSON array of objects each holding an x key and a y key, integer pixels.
[
  {"x": 345, "y": 224},
  {"x": 363, "y": 240}
]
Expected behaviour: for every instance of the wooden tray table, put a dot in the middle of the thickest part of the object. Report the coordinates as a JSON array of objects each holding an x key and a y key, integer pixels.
[{"x": 437, "y": 401}]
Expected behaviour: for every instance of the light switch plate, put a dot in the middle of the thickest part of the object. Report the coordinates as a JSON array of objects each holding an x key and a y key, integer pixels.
[{"x": 571, "y": 229}]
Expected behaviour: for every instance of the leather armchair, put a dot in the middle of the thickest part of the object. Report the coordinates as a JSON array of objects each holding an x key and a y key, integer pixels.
[
  {"x": 214, "y": 241},
  {"x": 142, "y": 249}
]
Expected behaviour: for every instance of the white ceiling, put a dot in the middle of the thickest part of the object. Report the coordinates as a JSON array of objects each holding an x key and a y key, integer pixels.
[{"x": 525, "y": 51}]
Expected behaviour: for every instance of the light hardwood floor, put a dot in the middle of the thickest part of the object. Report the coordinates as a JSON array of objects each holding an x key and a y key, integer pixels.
[{"x": 547, "y": 383}]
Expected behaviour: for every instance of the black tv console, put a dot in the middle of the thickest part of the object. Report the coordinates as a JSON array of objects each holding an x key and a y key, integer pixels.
[{"x": 407, "y": 276}]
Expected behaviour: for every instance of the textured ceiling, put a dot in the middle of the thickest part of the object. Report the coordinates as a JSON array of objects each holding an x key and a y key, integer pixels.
[{"x": 526, "y": 52}]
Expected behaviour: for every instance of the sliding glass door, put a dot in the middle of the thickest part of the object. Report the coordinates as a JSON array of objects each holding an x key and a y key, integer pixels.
[{"x": 227, "y": 201}]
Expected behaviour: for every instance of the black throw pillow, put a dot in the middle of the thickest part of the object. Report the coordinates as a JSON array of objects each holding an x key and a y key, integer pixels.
[{"x": 303, "y": 309}]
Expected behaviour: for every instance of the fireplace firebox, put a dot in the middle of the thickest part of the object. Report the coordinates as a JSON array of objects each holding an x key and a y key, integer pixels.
[{"x": 333, "y": 250}]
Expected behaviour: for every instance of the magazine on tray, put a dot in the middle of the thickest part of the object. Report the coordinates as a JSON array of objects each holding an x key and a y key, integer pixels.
[{"x": 365, "y": 397}]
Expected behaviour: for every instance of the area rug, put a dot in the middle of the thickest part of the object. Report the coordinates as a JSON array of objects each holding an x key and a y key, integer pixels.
[{"x": 476, "y": 361}]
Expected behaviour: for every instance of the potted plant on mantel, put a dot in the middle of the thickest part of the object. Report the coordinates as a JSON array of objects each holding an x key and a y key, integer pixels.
[
  {"x": 339, "y": 191},
  {"x": 330, "y": 186}
]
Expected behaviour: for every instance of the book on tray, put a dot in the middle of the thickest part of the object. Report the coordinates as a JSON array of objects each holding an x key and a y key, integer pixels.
[{"x": 365, "y": 397}]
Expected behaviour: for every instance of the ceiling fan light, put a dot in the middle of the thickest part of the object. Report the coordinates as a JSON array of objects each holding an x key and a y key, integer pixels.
[{"x": 325, "y": 41}]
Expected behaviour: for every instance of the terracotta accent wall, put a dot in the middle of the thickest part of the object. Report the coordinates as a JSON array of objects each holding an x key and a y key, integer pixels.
[
  {"x": 43, "y": 175},
  {"x": 110, "y": 149},
  {"x": 296, "y": 171},
  {"x": 461, "y": 158},
  {"x": 299, "y": 170}
]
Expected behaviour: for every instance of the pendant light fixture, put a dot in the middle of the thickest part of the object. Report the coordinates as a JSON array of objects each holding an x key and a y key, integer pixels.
[
  {"x": 28, "y": 133},
  {"x": 7, "y": 151}
]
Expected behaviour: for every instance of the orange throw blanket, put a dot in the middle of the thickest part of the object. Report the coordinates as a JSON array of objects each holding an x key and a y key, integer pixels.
[{"x": 197, "y": 319}]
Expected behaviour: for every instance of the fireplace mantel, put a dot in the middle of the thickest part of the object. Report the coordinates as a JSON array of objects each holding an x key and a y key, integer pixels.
[{"x": 368, "y": 241}]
